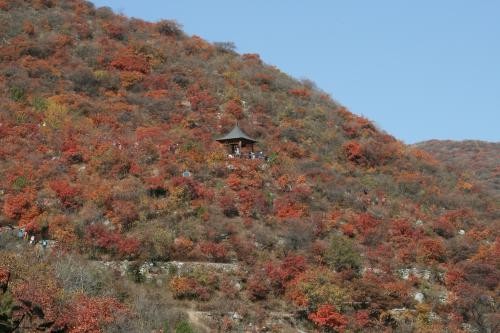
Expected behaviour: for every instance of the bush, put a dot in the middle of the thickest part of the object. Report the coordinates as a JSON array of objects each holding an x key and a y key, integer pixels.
[
  {"x": 342, "y": 254},
  {"x": 170, "y": 28},
  {"x": 183, "y": 327},
  {"x": 85, "y": 81},
  {"x": 17, "y": 94}
]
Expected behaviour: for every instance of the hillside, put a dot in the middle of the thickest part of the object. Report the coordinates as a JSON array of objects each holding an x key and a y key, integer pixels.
[
  {"x": 108, "y": 150},
  {"x": 477, "y": 161}
]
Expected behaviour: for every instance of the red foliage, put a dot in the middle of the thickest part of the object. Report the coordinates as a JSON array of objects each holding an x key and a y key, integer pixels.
[
  {"x": 89, "y": 314},
  {"x": 354, "y": 152},
  {"x": 431, "y": 249},
  {"x": 131, "y": 62},
  {"x": 286, "y": 209},
  {"x": 258, "y": 286},
  {"x": 28, "y": 28},
  {"x": 109, "y": 240},
  {"x": 228, "y": 205},
  {"x": 234, "y": 107},
  {"x": 39, "y": 292},
  {"x": 251, "y": 57},
  {"x": 4, "y": 278},
  {"x": 444, "y": 228},
  {"x": 124, "y": 212},
  {"x": 200, "y": 99},
  {"x": 15, "y": 205},
  {"x": 286, "y": 271},
  {"x": 187, "y": 287},
  {"x": 362, "y": 319},
  {"x": 327, "y": 317},
  {"x": 67, "y": 193},
  {"x": 114, "y": 31},
  {"x": 302, "y": 93},
  {"x": 213, "y": 251},
  {"x": 182, "y": 246}
]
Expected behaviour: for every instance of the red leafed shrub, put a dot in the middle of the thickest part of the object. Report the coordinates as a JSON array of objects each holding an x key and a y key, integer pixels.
[
  {"x": 234, "y": 107},
  {"x": 191, "y": 188},
  {"x": 251, "y": 57},
  {"x": 356, "y": 126},
  {"x": 258, "y": 286},
  {"x": 213, "y": 251},
  {"x": 128, "y": 247},
  {"x": 362, "y": 319},
  {"x": 28, "y": 28},
  {"x": 327, "y": 317},
  {"x": 348, "y": 230},
  {"x": 402, "y": 231},
  {"x": 38, "y": 292},
  {"x": 182, "y": 286},
  {"x": 109, "y": 240},
  {"x": 15, "y": 205},
  {"x": 286, "y": 209},
  {"x": 302, "y": 93},
  {"x": 280, "y": 275},
  {"x": 131, "y": 63},
  {"x": 234, "y": 181},
  {"x": 65, "y": 192},
  {"x": 182, "y": 246},
  {"x": 4, "y": 278},
  {"x": 125, "y": 212},
  {"x": 365, "y": 225},
  {"x": 228, "y": 205},
  {"x": 353, "y": 152},
  {"x": 187, "y": 287},
  {"x": 453, "y": 278},
  {"x": 201, "y": 100},
  {"x": 430, "y": 249},
  {"x": 444, "y": 228},
  {"x": 114, "y": 31},
  {"x": 90, "y": 314}
]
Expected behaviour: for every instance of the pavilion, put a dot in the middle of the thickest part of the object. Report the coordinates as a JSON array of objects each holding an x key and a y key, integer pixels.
[{"x": 236, "y": 139}]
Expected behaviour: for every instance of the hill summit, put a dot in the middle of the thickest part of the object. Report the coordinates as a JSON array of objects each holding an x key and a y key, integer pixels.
[{"x": 121, "y": 212}]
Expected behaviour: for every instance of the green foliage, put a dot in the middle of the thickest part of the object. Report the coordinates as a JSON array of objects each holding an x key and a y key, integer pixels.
[
  {"x": 17, "y": 94},
  {"x": 183, "y": 327},
  {"x": 40, "y": 104},
  {"x": 342, "y": 254},
  {"x": 20, "y": 183},
  {"x": 6, "y": 308}
]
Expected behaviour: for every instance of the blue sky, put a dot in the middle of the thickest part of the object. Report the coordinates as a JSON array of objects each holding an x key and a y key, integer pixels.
[{"x": 420, "y": 70}]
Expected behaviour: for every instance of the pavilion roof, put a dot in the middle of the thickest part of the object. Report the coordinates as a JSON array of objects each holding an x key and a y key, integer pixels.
[{"x": 236, "y": 134}]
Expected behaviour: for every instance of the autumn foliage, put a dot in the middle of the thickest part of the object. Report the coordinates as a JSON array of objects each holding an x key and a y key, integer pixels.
[{"x": 108, "y": 151}]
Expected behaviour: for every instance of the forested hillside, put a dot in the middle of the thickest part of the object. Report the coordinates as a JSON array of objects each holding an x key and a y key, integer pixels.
[
  {"x": 478, "y": 161},
  {"x": 108, "y": 152}
]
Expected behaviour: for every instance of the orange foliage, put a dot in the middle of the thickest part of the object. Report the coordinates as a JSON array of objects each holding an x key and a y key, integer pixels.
[
  {"x": 353, "y": 152},
  {"x": 327, "y": 316},
  {"x": 285, "y": 209},
  {"x": 89, "y": 314},
  {"x": 21, "y": 207},
  {"x": 234, "y": 107},
  {"x": 131, "y": 62},
  {"x": 302, "y": 93}
]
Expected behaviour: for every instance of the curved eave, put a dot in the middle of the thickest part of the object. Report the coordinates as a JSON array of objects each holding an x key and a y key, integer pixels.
[{"x": 236, "y": 134}]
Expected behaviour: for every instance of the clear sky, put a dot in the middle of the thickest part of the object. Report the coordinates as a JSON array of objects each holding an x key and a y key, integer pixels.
[{"x": 426, "y": 69}]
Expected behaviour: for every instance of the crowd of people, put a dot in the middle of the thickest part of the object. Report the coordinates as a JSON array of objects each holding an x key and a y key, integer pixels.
[
  {"x": 22, "y": 234},
  {"x": 251, "y": 155}
]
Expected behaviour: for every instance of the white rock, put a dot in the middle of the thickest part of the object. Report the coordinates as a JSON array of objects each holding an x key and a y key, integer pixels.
[
  {"x": 461, "y": 232},
  {"x": 419, "y": 297}
]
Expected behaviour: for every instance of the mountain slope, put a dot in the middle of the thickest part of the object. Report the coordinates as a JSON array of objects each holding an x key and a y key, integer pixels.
[
  {"x": 342, "y": 227},
  {"x": 477, "y": 160}
]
